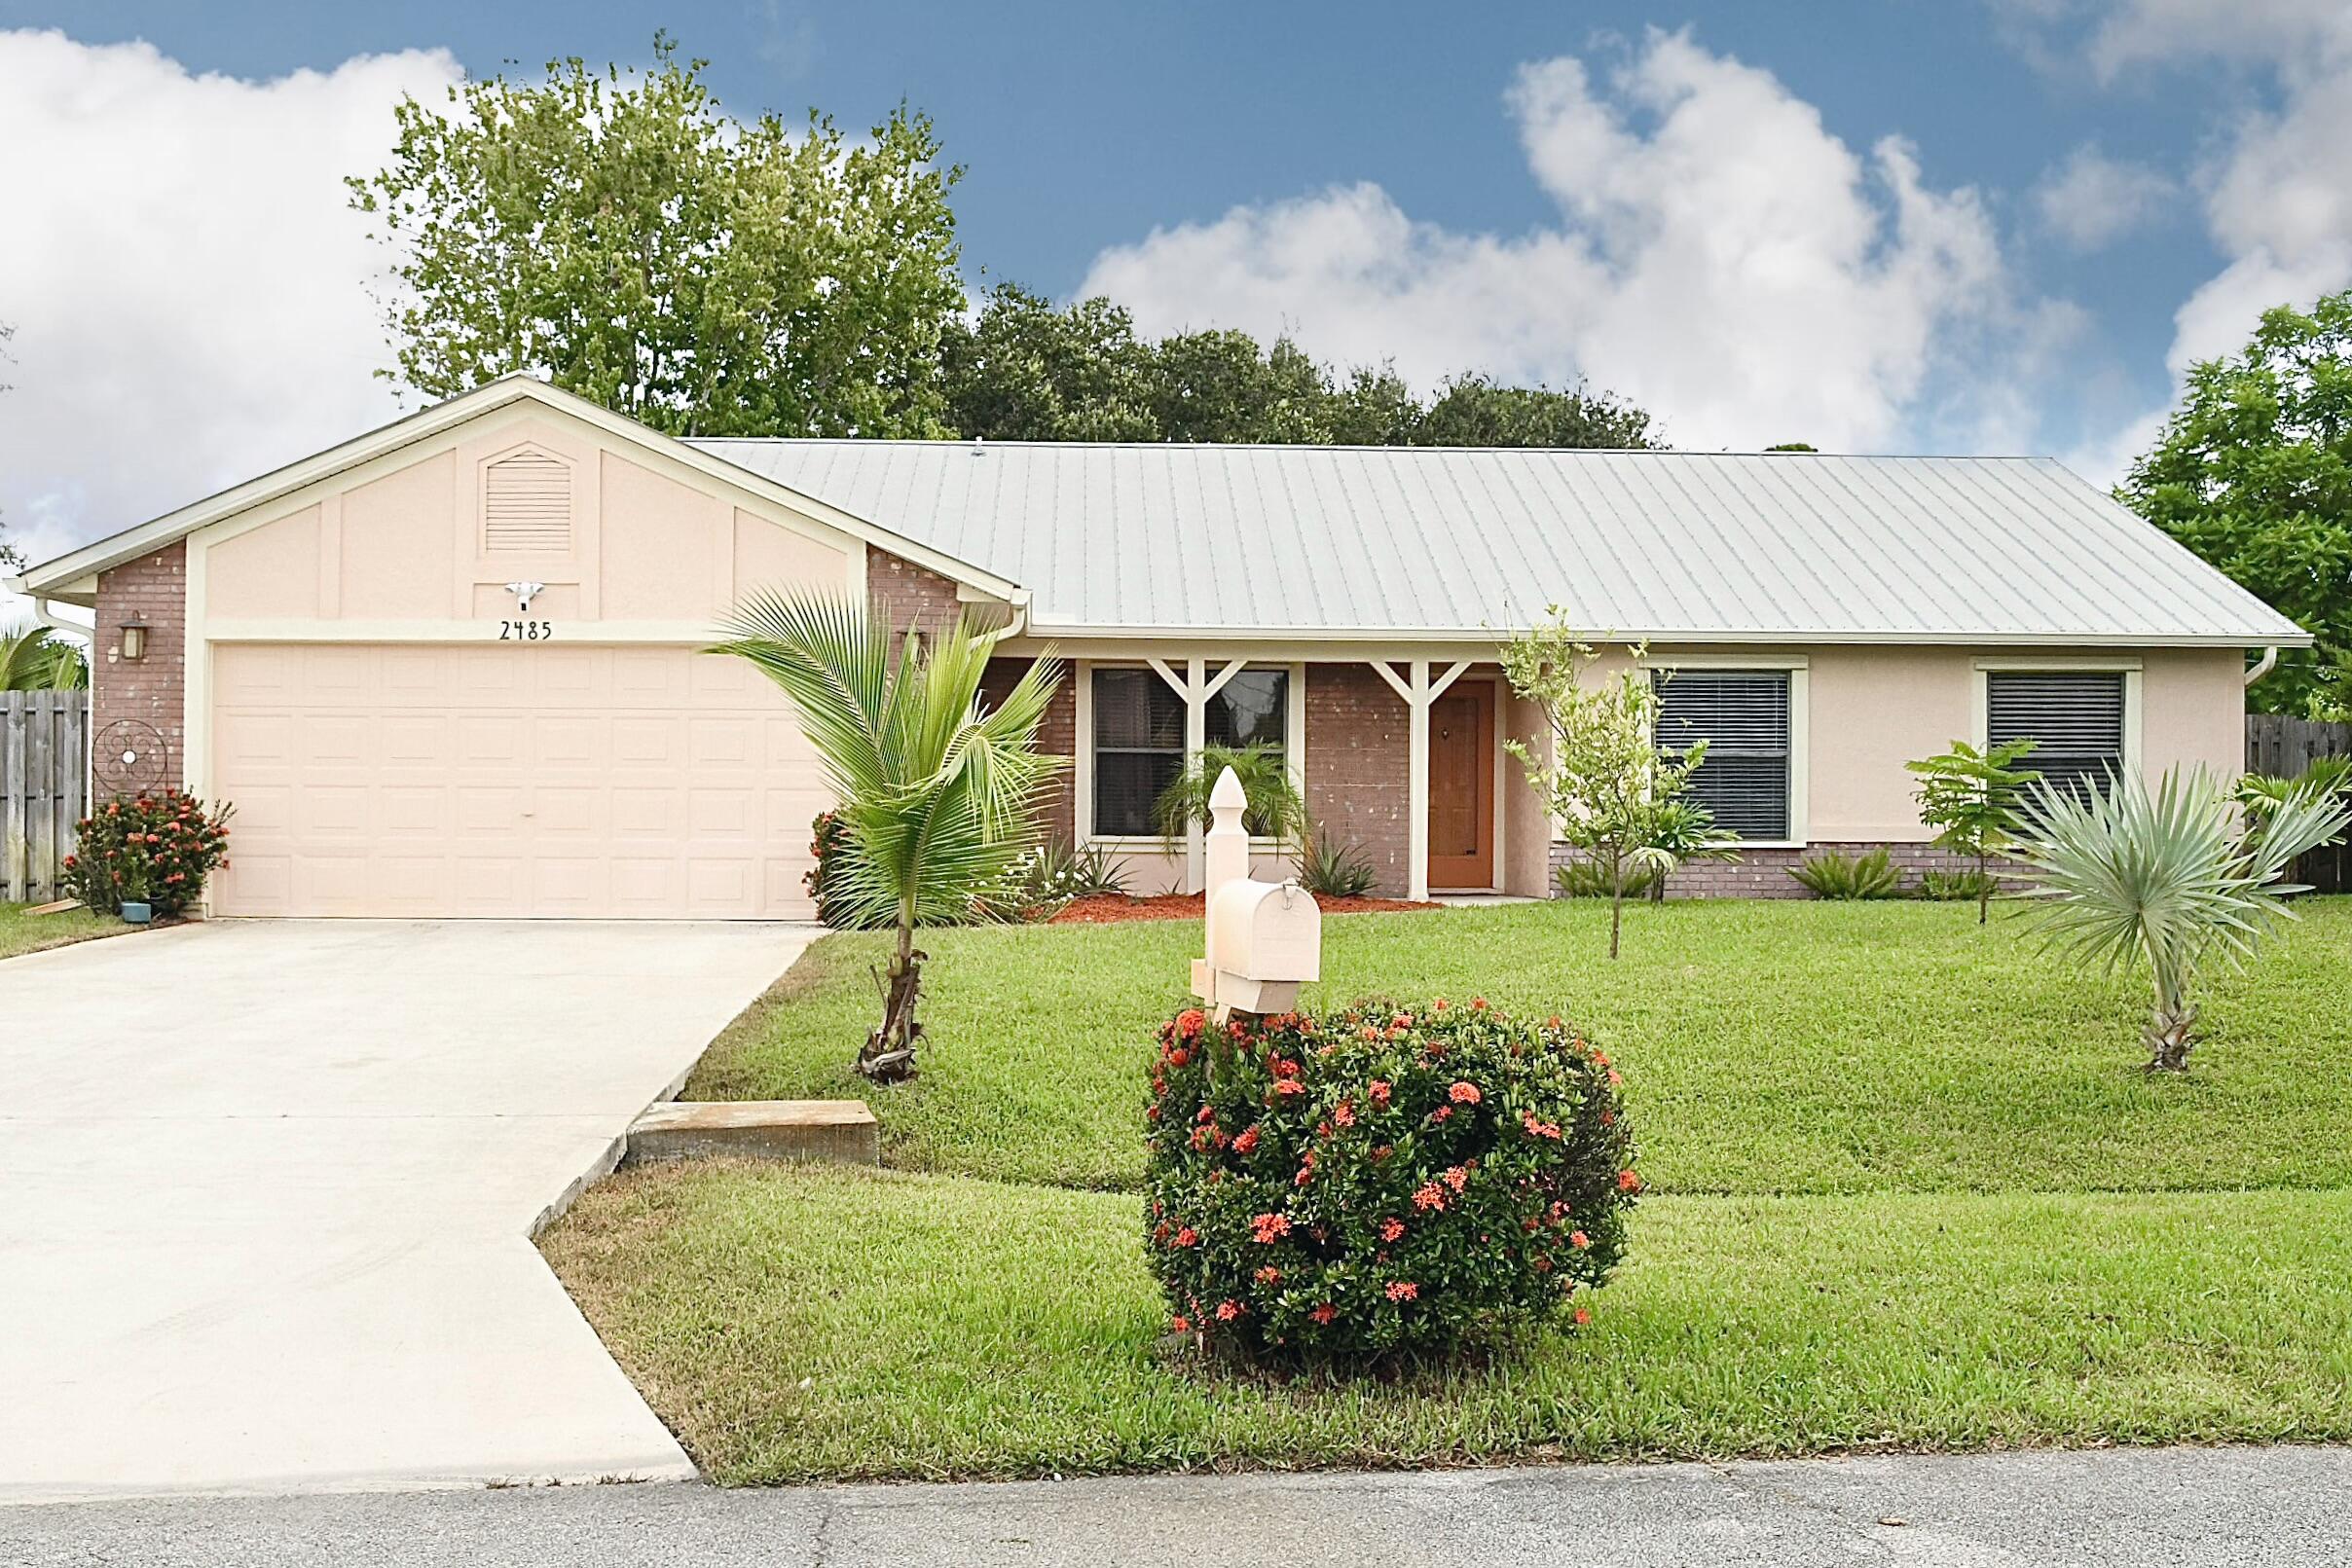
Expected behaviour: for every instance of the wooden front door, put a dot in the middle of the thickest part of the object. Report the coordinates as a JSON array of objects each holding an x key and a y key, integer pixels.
[{"x": 1462, "y": 787}]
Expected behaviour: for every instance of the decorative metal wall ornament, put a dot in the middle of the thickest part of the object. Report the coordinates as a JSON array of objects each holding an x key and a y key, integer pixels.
[
  {"x": 128, "y": 757},
  {"x": 524, "y": 594}
]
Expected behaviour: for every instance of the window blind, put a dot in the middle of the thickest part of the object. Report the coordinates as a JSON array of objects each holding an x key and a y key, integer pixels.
[{"x": 1742, "y": 716}]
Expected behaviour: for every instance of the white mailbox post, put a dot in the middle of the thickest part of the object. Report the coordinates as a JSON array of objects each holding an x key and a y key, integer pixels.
[{"x": 1265, "y": 938}]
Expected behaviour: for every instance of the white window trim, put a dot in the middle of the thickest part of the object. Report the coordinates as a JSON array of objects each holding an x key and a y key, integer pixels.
[
  {"x": 1800, "y": 731},
  {"x": 1980, "y": 699},
  {"x": 1294, "y": 754}
]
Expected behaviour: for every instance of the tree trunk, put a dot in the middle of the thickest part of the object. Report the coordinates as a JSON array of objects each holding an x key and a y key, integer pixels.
[
  {"x": 1984, "y": 891},
  {"x": 2168, "y": 1037},
  {"x": 1616, "y": 907},
  {"x": 889, "y": 1053}
]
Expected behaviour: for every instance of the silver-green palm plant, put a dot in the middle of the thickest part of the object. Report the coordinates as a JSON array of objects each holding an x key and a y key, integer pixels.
[
  {"x": 2176, "y": 876},
  {"x": 34, "y": 659},
  {"x": 936, "y": 788}
]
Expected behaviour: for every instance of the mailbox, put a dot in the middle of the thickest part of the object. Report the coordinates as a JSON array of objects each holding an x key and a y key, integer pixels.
[{"x": 1266, "y": 941}]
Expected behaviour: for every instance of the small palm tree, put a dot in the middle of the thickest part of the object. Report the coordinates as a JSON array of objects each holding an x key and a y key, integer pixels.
[
  {"x": 1275, "y": 808},
  {"x": 34, "y": 659},
  {"x": 935, "y": 789},
  {"x": 2173, "y": 876}
]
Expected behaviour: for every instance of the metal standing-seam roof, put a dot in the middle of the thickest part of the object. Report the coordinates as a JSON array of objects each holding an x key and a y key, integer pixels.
[{"x": 1429, "y": 542}]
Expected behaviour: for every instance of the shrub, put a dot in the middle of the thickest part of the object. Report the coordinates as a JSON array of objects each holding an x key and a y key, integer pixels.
[
  {"x": 1589, "y": 879},
  {"x": 158, "y": 847},
  {"x": 1831, "y": 875},
  {"x": 1329, "y": 868},
  {"x": 1047, "y": 876},
  {"x": 1381, "y": 1180},
  {"x": 828, "y": 842},
  {"x": 1958, "y": 887}
]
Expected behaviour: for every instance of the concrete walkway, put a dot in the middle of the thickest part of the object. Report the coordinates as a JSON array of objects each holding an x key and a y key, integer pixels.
[
  {"x": 266, "y": 1190},
  {"x": 2248, "y": 1508}
]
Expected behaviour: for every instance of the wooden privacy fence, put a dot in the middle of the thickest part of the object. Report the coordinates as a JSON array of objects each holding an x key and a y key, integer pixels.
[
  {"x": 44, "y": 782},
  {"x": 2285, "y": 746}
]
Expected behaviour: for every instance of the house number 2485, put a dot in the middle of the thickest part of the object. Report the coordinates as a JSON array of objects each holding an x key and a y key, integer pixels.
[{"x": 526, "y": 631}]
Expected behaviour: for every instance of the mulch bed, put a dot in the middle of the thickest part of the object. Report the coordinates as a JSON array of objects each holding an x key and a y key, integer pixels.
[{"x": 1113, "y": 907}]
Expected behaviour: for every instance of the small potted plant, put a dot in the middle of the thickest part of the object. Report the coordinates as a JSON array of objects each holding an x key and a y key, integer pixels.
[{"x": 136, "y": 910}]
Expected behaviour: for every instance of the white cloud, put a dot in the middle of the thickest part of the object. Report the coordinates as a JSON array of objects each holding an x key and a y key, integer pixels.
[
  {"x": 188, "y": 288},
  {"x": 2138, "y": 32},
  {"x": 2091, "y": 200},
  {"x": 1720, "y": 257}
]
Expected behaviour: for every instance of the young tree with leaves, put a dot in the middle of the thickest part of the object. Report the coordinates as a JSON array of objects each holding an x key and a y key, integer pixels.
[
  {"x": 2254, "y": 472},
  {"x": 936, "y": 789},
  {"x": 1605, "y": 781},
  {"x": 1973, "y": 799},
  {"x": 619, "y": 235}
]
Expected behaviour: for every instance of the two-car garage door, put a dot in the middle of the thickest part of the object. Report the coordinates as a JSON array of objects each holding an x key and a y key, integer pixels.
[{"x": 439, "y": 779}]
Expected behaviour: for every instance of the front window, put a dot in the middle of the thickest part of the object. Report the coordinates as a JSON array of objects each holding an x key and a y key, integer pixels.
[
  {"x": 2075, "y": 717},
  {"x": 1139, "y": 737},
  {"x": 1742, "y": 716}
]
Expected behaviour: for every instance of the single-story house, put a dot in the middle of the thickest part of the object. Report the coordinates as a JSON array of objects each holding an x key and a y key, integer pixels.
[{"x": 451, "y": 667}]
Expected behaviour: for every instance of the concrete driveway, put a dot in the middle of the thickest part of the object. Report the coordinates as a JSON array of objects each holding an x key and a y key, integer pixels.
[{"x": 266, "y": 1188}]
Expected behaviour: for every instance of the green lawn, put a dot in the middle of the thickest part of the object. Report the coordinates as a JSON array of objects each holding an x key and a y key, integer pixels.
[
  {"x": 1790, "y": 1047},
  {"x": 1910, "y": 1191},
  {"x": 22, "y": 933}
]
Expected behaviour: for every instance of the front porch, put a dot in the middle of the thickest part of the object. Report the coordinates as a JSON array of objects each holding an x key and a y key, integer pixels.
[{"x": 1397, "y": 753}]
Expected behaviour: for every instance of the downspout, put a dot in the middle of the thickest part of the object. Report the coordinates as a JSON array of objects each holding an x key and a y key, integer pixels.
[{"x": 2262, "y": 665}]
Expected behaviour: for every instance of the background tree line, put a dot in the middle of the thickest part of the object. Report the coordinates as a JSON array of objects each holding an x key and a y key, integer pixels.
[{"x": 622, "y": 236}]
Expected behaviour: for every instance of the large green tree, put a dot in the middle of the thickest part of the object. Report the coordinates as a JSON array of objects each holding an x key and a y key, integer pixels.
[
  {"x": 1024, "y": 370},
  {"x": 2254, "y": 472},
  {"x": 620, "y": 235}
]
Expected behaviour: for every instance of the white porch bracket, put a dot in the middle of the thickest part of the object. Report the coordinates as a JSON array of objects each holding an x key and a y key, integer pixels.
[
  {"x": 1419, "y": 691},
  {"x": 1196, "y": 687}
]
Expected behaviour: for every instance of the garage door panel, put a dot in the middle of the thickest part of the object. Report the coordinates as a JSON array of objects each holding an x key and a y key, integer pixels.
[{"x": 498, "y": 781}]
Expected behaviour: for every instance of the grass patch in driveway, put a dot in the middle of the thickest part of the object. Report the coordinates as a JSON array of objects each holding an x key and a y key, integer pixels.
[
  {"x": 958, "y": 1328},
  {"x": 22, "y": 933},
  {"x": 1768, "y": 1048}
]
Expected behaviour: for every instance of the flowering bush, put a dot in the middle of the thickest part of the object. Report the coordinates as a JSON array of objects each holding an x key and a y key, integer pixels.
[
  {"x": 1381, "y": 1179},
  {"x": 154, "y": 848}
]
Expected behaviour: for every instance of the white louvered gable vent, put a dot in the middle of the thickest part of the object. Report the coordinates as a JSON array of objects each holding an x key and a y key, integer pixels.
[{"x": 527, "y": 505}]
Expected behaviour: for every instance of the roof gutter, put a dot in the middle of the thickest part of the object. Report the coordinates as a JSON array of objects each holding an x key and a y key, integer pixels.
[
  {"x": 2264, "y": 665},
  {"x": 45, "y": 609}
]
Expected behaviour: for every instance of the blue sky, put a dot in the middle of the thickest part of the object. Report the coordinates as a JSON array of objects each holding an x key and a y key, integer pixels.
[{"x": 1698, "y": 204}]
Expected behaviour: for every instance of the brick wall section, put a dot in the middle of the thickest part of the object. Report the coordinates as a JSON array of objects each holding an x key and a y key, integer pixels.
[
  {"x": 1764, "y": 873},
  {"x": 1056, "y": 736},
  {"x": 1358, "y": 735},
  {"x": 154, "y": 689},
  {"x": 903, "y": 594}
]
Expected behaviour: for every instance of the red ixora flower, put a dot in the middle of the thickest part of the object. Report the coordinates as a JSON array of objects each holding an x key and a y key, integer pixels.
[
  {"x": 1628, "y": 1182},
  {"x": 1289, "y": 1086},
  {"x": 1189, "y": 1022},
  {"x": 1269, "y": 1228},
  {"x": 1227, "y": 1311},
  {"x": 1378, "y": 1091},
  {"x": 1440, "y": 1113},
  {"x": 1245, "y": 1140},
  {"x": 1578, "y": 1239},
  {"x": 1187, "y": 1237},
  {"x": 1180, "y": 1323},
  {"x": 1584, "y": 1315},
  {"x": 1207, "y": 1114},
  {"x": 1402, "y": 1290},
  {"x": 1430, "y": 1196},
  {"x": 1344, "y": 1113},
  {"x": 1392, "y": 1228},
  {"x": 1537, "y": 1128},
  {"x": 1269, "y": 1275},
  {"x": 1464, "y": 1093},
  {"x": 1324, "y": 1313}
]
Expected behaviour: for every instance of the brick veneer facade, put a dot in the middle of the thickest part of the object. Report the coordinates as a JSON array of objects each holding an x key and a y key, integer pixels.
[
  {"x": 152, "y": 690},
  {"x": 1056, "y": 736},
  {"x": 1764, "y": 873},
  {"x": 1358, "y": 733},
  {"x": 903, "y": 594}
]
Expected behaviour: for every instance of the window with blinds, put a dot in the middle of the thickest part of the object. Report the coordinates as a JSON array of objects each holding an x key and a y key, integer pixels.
[
  {"x": 1139, "y": 737},
  {"x": 527, "y": 506},
  {"x": 1742, "y": 716},
  {"x": 2075, "y": 717}
]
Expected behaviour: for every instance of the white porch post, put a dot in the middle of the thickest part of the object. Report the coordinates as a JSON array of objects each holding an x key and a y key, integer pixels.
[
  {"x": 1195, "y": 688},
  {"x": 1418, "y": 692}
]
